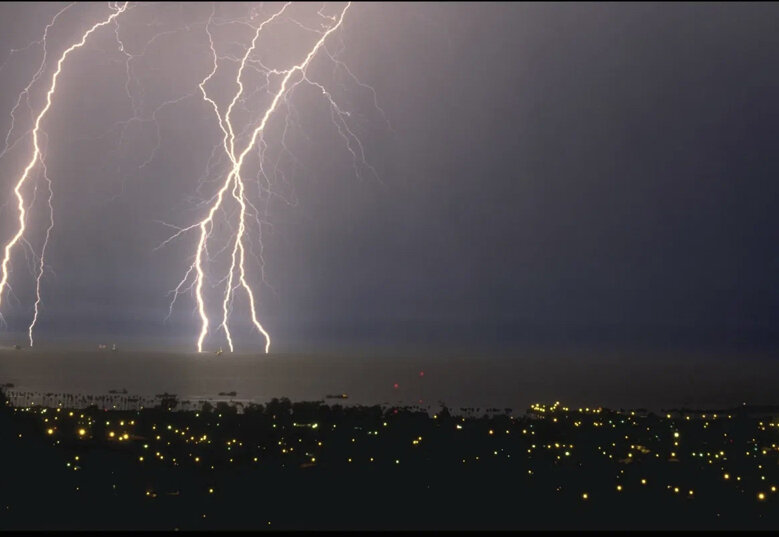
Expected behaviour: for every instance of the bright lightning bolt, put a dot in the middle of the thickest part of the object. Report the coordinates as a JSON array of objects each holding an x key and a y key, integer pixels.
[
  {"x": 42, "y": 263},
  {"x": 230, "y": 204},
  {"x": 36, "y": 157},
  {"x": 235, "y": 180},
  {"x": 26, "y": 91}
]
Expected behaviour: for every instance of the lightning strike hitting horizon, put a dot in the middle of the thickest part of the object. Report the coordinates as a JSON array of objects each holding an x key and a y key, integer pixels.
[
  {"x": 234, "y": 181},
  {"x": 42, "y": 261},
  {"x": 36, "y": 157},
  {"x": 230, "y": 205},
  {"x": 235, "y": 177}
]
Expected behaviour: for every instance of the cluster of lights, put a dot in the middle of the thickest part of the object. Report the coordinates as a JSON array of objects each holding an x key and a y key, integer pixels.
[{"x": 626, "y": 440}]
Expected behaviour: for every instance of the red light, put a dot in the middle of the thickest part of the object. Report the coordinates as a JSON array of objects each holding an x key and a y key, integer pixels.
[
  {"x": 421, "y": 373},
  {"x": 395, "y": 386}
]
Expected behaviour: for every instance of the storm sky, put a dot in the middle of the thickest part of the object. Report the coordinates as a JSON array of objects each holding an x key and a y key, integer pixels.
[{"x": 578, "y": 173}]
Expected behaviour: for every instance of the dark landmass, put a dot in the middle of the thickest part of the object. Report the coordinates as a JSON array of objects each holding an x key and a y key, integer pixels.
[{"x": 307, "y": 465}]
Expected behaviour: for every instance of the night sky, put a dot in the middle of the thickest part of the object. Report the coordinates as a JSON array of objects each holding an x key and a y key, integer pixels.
[{"x": 549, "y": 173}]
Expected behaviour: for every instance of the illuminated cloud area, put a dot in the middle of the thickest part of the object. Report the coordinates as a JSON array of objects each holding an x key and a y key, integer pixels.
[{"x": 277, "y": 176}]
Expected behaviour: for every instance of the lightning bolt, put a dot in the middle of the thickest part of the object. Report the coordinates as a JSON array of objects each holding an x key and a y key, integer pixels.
[
  {"x": 234, "y": 182},
  {"x": 25, "y": 93},
  {"x": 229, "y": 205},
  {"x": 36, "y": 157},
  {"x": 42, "y": 261}
]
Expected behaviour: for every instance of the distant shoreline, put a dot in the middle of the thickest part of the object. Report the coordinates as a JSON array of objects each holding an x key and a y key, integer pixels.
[{"x": 612, "y": 379}]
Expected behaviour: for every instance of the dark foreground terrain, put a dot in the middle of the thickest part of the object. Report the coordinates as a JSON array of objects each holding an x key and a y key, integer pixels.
[{"x": 307, "y": 465}]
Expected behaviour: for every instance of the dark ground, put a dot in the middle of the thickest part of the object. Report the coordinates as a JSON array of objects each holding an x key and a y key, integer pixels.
[{"x": 107, "y": 487}]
